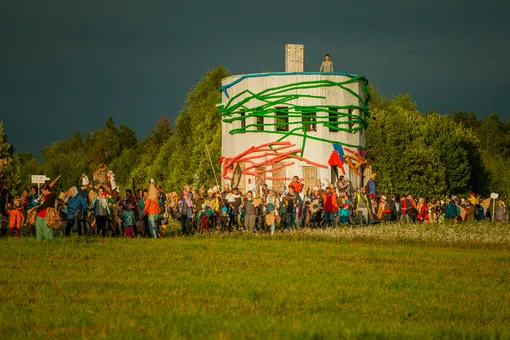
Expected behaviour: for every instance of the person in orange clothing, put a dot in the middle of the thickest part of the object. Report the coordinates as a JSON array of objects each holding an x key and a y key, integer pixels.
[
  {"x": 296, "y": 184},
  {"x": 152, "y": 210},
  {"x": 15, "y": 217},
  {"x": 330, "y": 206}
]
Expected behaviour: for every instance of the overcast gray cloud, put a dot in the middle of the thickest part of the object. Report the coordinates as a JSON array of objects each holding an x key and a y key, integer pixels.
[{"x": 68, "y": 65}]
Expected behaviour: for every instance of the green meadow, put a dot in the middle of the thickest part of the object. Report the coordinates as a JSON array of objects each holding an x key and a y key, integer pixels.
[{"x": 388, "y": 281}]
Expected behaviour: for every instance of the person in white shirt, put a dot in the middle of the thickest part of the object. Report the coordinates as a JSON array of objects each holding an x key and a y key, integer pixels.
[{"x": 327, "y": 65}]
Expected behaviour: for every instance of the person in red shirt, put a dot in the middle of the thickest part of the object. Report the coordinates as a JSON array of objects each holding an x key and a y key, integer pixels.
[
  {"x": 296, "y": 184},
  {"x": 422, "y": 210},
  {"x": 43, "y": 231},
  {"x": 330, "y": 206}
]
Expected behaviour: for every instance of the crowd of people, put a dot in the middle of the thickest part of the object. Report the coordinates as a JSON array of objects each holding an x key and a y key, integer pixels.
[{"x": 102, "y": 211}]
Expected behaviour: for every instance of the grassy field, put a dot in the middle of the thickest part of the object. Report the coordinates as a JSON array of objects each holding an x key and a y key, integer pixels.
[{"x": 413, "y": 281}]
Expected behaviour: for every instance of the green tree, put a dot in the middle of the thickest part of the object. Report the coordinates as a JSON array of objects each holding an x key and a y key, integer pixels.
[
  {"x": 494, "y": 136},
  {"x": 107, "y": 143},
  {"x": 9, "y": 171},
  {"x": 452, "y": 142},
  {"x": 28, "y": 165},
  {"x": 468, "y": 120},
  {"x": 62, "y": 159},
  {"x": 399, "y": 154},
  {"x": 124, "y": 165},
  {"x": 432, "y": 154},
  {"x": 127, "y": 137},
  {"x": 198, "y": 129}
]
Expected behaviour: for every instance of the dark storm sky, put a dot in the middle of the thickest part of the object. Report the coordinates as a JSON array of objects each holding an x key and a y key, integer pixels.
[{"x": 67, "y": 65}]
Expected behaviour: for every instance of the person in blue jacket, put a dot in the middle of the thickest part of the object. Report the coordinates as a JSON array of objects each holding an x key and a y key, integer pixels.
[
  {"x": 371, "y": 186},
  {"x": 33, "y": 198},
  {"x": 76, "y": 207}
]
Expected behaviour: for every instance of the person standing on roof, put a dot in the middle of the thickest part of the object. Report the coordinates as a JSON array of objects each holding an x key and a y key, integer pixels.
[{"x": 327, "y": 65}]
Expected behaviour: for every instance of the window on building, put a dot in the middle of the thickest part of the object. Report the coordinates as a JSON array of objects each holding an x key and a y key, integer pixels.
[
  {"x": 362, "y": 131},
  {"x": 334, "y": 174},
  {"x": 333, "y": 119},
  {"x": 309, "y": 121},
  {"x": 277, "y": 184},
  {"x": 351, "y": 124},
  {"x": 243, "y": 120},
  {"x": 282, "y": 119},
  {"x": 260, "y": 123}
]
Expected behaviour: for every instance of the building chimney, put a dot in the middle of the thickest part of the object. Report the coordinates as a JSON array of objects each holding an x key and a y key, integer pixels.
[{"x": 294, "y": 58}]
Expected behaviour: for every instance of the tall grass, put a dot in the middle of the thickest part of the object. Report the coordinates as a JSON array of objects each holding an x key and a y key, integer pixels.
[
  {"x": 387, "y": 281},
  {"x": 477, "y": 235}
]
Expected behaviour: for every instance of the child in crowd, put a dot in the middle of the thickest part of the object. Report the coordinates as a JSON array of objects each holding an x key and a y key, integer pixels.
[
  {"x": 203, "y": 218},
  {"x": 225, "y": 220},
  {"x": 345, "y": 211},
  {"x": 128, "y": 219},
  {"x": 15, "y": 217},
  {"x": 24, "y": 199}
]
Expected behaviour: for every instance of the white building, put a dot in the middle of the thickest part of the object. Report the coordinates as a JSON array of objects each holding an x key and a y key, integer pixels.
[{"x": 310, "y": 110}]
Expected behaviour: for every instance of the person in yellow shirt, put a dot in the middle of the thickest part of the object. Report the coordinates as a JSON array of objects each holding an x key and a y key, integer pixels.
[{"x": 472, "y": 199}]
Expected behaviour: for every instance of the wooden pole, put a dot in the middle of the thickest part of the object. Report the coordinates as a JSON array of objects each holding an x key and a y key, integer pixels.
[
  {"x": 493, "y": 212},
  {"x": 214, "y": 173},
  {"x": 212, "y": 166}
]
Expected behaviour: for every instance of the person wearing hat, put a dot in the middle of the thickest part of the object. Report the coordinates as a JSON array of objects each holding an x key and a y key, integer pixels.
[
  {"x": 472, "y": 198},
  {"x": 83, "y": 190}
]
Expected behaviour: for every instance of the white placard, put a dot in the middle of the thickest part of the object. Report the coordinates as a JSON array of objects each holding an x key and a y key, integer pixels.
[
  {"x": 494, "y": 196},
  {"x": 39, "y": 179}
]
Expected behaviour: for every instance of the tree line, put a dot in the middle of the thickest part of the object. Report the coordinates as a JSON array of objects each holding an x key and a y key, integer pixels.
[{"x": 424, "y": 154}]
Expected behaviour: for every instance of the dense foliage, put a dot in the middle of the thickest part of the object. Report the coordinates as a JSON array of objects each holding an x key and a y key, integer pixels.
[
  {"x": 432, "y": 154},
  {"x": 422, "y": 154},
  {"x": 9, "y": 171}
]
